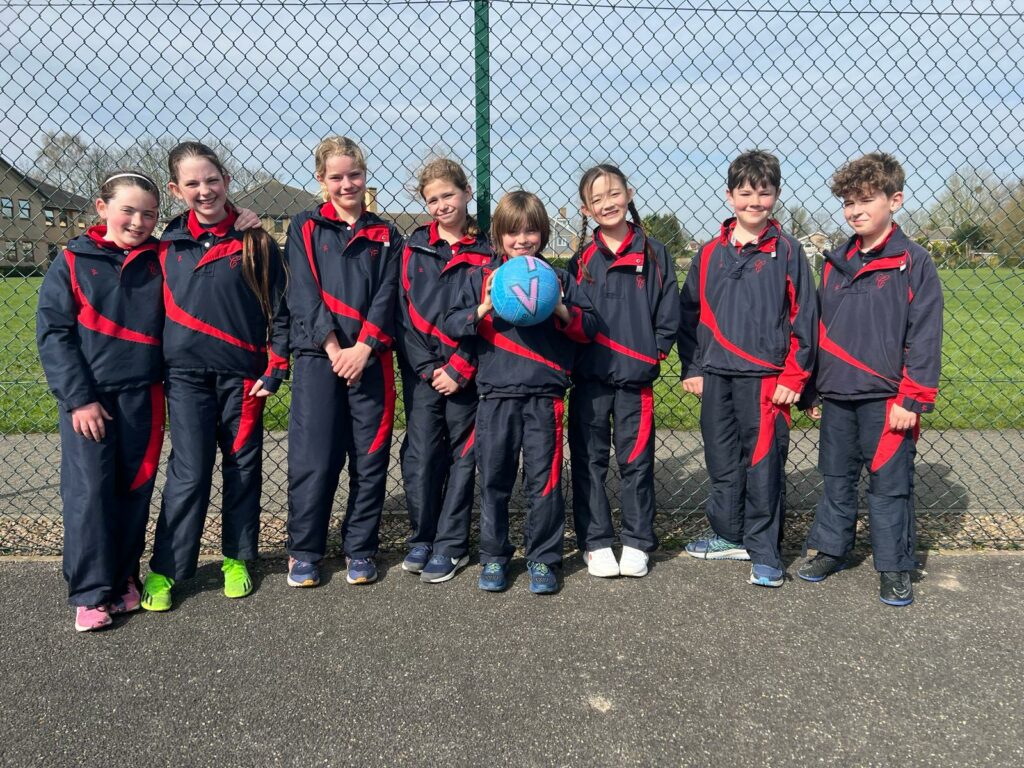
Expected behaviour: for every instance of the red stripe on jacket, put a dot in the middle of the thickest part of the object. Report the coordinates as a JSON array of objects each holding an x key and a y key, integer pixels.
[
  {"x": 333, "y": 303},
  {"x": 91, "y": 318}
]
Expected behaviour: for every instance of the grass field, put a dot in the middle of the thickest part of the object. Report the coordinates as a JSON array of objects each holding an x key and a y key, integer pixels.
[{"x": 982, "y": 384}]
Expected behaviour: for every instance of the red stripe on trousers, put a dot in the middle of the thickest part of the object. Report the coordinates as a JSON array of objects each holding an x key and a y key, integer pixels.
[
  {"x": 387, "y": 419},
  {"x": 890, "y": 440},
  {"x": 252, "y": 410},
  {"x": 643, "y": 434},
  {"x": 769, "y": 413},
  {"x": 469, "y": 443},
  {"x": 556, "y": 461},
  {"x": 151, "y": 458}
]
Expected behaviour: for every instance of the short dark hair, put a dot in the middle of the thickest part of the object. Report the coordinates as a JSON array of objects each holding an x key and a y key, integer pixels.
[
  {"x": 874, "y": 172},
  {"x": 756, "y": 168}
]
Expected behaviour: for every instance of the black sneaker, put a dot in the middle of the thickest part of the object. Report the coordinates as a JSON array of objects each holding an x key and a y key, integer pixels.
[
  {"x": 820, "y": 567},
  {"x": 894, "y": 588}
]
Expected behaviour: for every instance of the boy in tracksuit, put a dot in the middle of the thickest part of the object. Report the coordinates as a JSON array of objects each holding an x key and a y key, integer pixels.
[
  {"x": 522, "y": 377},
  {"x": 438, "y": 461},
  {"x": 880, "y": 348},
  {"x": 747, "y": 340},
  {"x": 342, "y": 288}
]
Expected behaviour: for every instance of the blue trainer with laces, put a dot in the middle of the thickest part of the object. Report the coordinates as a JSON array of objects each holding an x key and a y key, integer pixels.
[
  {"x": 765, "y": 576},
  {"x": 543, "y": 579},
  {"x": 441, "y": 568},
  {"x": 710, "y": 546},
  {"x": 492, "y": 578},
  {"x": 361, "y": 570},
  {"x": 302, "y": 573},
  {"x": 416, "y": 559}
]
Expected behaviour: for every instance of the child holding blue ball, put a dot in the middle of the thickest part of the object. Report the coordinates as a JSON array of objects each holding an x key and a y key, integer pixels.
[{"x": 522, "y": 376}]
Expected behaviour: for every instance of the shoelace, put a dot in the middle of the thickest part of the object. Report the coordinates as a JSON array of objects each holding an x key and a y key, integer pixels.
[
  {"x": 492, "y": 568},
  {"x": 541, "y": 569}
]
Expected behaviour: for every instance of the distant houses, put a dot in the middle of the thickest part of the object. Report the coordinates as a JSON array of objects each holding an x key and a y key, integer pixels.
[{"x": 36, "y": 220}]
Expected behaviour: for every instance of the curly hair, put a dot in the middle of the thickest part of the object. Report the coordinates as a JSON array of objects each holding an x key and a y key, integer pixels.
[{"x": 874, "y": 172}]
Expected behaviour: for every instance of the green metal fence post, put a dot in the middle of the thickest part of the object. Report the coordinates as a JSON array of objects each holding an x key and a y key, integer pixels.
[{"x": 483, "y": 113}]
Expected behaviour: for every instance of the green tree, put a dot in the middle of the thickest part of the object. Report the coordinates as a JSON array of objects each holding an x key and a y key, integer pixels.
[{"x": 665, "y": 228}]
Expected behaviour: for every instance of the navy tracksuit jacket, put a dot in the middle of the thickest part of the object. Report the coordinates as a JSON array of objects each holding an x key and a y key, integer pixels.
[
  {"x": 342, "y": 279},
  {"x": 522, "y": 375},
  {"x": 880, "y": 345},
  {"x": 98, "y": 328},
  {"x": 634, "y": 293},
  {"x": 215, "y": 349},
  {"x": 749, "y": 322},
  {"x": 438, "y": 461}
]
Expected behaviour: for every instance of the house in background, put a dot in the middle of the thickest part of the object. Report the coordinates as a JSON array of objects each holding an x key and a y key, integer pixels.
[
  {"x": 36, "y": 220},
  {"x": 277, "y": 203}
]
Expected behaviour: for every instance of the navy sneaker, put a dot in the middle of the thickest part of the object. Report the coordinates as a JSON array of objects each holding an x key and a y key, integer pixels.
[
  {"x": 416, "y": 559},
  {"x": 492, "y": 578},
  {"x": 441, "y": 568},
  {"x": 361, "y": 570},
  {"x": 543, "y": 579},
  {"x": 302, "y": 573},
  {"x": 820, "y": 567},
  {"x": 894, "y": 588},
  {"x": 765, "y": 576}
]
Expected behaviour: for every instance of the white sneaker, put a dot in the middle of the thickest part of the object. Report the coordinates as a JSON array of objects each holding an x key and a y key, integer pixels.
[
  {"x": 601, "y": 562},
  {"x": 633, "y": 562}
]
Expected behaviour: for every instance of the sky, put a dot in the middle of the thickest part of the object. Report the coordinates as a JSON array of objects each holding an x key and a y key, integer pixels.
[{"x": 669, "y": 91}]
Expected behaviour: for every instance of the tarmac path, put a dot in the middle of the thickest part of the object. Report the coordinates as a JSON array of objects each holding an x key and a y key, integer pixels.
[{"x": 689, "y": 666}]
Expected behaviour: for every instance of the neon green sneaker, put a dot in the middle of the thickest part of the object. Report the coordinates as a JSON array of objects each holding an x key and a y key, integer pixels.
[
  {"x": 156, "y": 592},
  {"x": 236, "y": 578}
]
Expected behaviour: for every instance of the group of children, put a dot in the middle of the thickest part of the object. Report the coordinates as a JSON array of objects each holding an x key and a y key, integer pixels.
[{"x": 207, "y": 319}]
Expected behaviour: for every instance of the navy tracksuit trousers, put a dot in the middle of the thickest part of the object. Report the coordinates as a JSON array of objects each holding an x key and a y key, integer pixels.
[
  {"x": 329, "y": 422},
  {"x": 106, "y": 488},
  {"x": 855, "y": 433},
  {"x": 593, "y": 405},
  {"x": 746, "y": 443},
  {"x": 207, "y": 411},
  {"x": 504, "y": 426},
  {"x": 438, "y": 464}
]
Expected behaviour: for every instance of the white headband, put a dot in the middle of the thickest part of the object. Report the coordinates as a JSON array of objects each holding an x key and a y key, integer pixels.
[{"x": 132, "y": 175}]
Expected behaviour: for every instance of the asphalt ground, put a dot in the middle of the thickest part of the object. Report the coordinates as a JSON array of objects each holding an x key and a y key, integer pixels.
[{"x": 689, "y": 666}]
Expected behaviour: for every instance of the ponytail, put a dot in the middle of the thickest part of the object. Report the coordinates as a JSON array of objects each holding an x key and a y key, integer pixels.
[
  {"x": 258, "y": 248},
  {"x": 580, "y": 265}
]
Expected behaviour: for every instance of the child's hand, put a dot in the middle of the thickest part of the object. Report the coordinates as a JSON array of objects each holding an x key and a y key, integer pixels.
[
  {"x": 901, "y": 419},
  {"x": 444, "y": 383},
  {"x": 694, "y": 385},
  {"x": 485, "y": 305},
  {"x": 246, "y": 220},
  {"x": 351, "y": 362},
  {"x": 562, "y": 312},
  {"x": 784, "y": 396},
  {"x": 89, "y": 421},
  {"x": 814, "y": 412},
  {"x": 264, "y": 387}
]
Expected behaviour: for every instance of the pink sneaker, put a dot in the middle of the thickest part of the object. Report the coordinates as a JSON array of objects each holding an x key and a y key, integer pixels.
[
  {"x": 88, "y": 618},
  {"x": 130, "y": 601}
]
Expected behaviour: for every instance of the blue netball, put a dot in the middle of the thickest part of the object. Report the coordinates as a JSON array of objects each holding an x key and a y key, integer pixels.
[{"x": 525, "y": 291}]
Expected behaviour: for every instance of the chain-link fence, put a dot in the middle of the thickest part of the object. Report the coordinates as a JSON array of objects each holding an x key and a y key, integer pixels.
[{"x": 529, "y": 94}]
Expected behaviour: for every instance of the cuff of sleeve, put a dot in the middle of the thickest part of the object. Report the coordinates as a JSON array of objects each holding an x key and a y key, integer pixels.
[
  {"x": 78, "y": 401},
  {"x": 374, "y": 337},
  {"x": 574, "y": 328},
  {"x": 460, "y": 369},
  {"x": 916, "y": 406},
  {"x": 794, "y": 380},
  {"x": 270, "y": 383}
]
